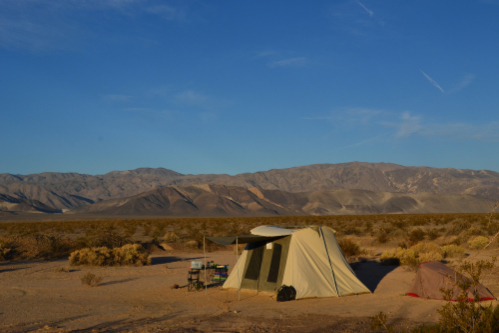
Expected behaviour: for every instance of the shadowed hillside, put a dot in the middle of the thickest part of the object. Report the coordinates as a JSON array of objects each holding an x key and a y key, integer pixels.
[{"x": 220, "y": 200}]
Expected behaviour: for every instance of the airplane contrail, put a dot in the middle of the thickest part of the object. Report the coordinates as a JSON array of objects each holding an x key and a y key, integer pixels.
[
  {"x": 433, "y": 82},
  {"x": 370, "y": 12}
]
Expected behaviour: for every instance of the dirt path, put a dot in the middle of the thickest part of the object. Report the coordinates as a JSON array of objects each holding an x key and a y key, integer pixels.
[{"x": 33, "y": 297}]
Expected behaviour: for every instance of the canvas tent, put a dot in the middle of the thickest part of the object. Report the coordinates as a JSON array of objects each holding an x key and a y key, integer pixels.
[
  {"x": 308, "y": 259},
  {"x": 433, "y": 276}
]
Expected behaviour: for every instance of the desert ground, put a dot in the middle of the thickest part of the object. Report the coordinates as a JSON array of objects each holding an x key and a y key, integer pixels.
[{"x": 36, "y": 296}]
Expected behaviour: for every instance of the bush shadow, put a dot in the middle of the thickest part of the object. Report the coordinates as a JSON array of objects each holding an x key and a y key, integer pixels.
[{"x": 117, "y": 282}]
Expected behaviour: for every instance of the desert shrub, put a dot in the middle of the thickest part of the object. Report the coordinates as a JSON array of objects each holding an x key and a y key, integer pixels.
[
  {"x": 478, "y": 242},
  {"x": 382, "y": 236},
  {"x": 131, "y": 255},
  {"x": 402, "y": 225},
  {"x": 192, "y": 244},
  {"x": 90, "y": 280},
  {"x": 492, "y": 228},
  {"x": 459, "y": 226},
  {"x": 351, "y": 230},
  {"x": 426, "y": 247},
  {"x": 414, "y": 256},
  {"x": 368, "y": 228},
  {"x": 429, "y": 256},
  {"x": 452, "y": 251},
  {"x": 5, "y": 249},
  {"x": 349, "y": 247},
  {"x": 170, "y": 237},
  {"x": 97, "y": 256},
  {"x": 34, "y": 246},
  {"x": 415, "y": 236},
  {"x": 397, "y": 233},
  {"x": 61, "y": 269},
  {"x": 128, "y": 255},
  {"x": 403, "y": 245},
  {"x": 433, "y": 234},
  {"x": 106, "y": 236},
  {"x": 404, "y": 256}
]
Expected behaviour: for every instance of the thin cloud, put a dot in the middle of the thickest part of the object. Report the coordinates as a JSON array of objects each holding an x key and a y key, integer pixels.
[
  {"x": 415, "y": 126},
  {"x": 466, "y": 81},
  {"x": 355, "y": 116},
  {"x": 433, "y": 82},
  {"x": 409, "y": 125},
  {"x": 191, "y": 97},
  {"x": 44, "y": 25},
  {"x": 167, "y": 12},
  {"x": 291, "y": 62},
  {"x": 375, "y": 138},
  {"x": 370, "y": 12}
]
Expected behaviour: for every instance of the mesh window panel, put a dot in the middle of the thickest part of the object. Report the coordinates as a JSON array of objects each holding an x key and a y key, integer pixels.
[
  {"x": 275, "y": 263},
  {"x": 253, "y": 271}
]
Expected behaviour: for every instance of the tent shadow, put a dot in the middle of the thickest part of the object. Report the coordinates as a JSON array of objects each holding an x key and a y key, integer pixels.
[
  {"x": 168, "y": 260},
  {"x": 370, "y": 273}
]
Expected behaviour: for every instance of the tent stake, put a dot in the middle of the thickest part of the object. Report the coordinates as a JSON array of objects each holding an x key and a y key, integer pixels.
[
  {"x": 205, "y": 278},
  {"x": 330, "y": 265},
  {"x": 238, "y": 277}
]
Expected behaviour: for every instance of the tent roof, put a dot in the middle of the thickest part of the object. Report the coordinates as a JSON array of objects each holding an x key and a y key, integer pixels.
[
  {"x": 244, "y": 239},
  {"x": 273, "y": 230}
]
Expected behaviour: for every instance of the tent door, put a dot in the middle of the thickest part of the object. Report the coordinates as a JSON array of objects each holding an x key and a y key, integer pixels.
[{"x": 265, "y": 267}]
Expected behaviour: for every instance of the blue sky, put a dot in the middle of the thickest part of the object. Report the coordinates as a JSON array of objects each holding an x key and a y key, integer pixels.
[{"x": 92, "y": 86}]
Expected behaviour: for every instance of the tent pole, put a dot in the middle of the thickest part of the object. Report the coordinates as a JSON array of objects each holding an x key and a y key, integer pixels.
[
  {"x": 330, "y": 265},
  {"x": 238, "y": 277},
  {"x": 205, "y": 278}
]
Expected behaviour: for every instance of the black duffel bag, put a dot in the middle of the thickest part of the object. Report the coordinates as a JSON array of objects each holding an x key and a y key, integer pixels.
[{"x": 286, "y": 293}]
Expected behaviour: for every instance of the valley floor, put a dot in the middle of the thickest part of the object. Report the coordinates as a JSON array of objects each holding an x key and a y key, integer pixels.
[{"x": 34, "y": 297}]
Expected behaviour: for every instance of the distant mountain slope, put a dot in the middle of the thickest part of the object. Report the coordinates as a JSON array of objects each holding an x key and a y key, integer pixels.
[
  {"x": 205, "y": 200},
  {"x": 81, "y": 189},
  {"x": 69, "y": 190},
  {"x": 10, "y": 204},
  {"x": 51, "y": 198},
  {"x": 379, "y": 177},
  {"x": 220, "y": 200}
]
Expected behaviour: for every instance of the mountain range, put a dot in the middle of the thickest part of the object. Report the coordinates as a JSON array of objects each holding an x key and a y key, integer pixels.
[{"x": 347, "y": 188}]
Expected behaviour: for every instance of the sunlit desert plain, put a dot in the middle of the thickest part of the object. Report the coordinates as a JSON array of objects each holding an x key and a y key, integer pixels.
[{"x": 43, "y": 290}]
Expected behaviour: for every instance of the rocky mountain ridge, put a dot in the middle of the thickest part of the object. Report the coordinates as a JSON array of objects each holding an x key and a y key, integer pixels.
[{"x": 66, "y": 191}]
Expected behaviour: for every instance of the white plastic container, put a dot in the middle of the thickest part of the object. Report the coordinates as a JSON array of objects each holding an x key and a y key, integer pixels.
[{"x": 196, "y": 264}]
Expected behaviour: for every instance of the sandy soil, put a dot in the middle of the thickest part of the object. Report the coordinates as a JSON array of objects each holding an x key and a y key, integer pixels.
[{"x": 33, "y": 297}]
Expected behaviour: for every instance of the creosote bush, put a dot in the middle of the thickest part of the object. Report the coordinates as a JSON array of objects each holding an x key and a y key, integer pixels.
[
  {"x": 452, "y": 251},
  {"x": 349, "y": 247},
  {"x": 433, "y": 234},
  {"x": 171, "y": 237},
  {"x": 34, "y": 246},
  {"x": 414, "y": 256},
  {"x": 127, "y": 255},
  {"x": 415, "y": 236},
  {"x": 90, "y": 280},
  {"x": 478, "y": 242},
  {"x": 382, "y": 236}
]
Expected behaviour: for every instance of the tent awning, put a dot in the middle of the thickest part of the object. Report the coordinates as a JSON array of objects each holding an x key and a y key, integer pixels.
[{"x": 244, "y": 239}]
